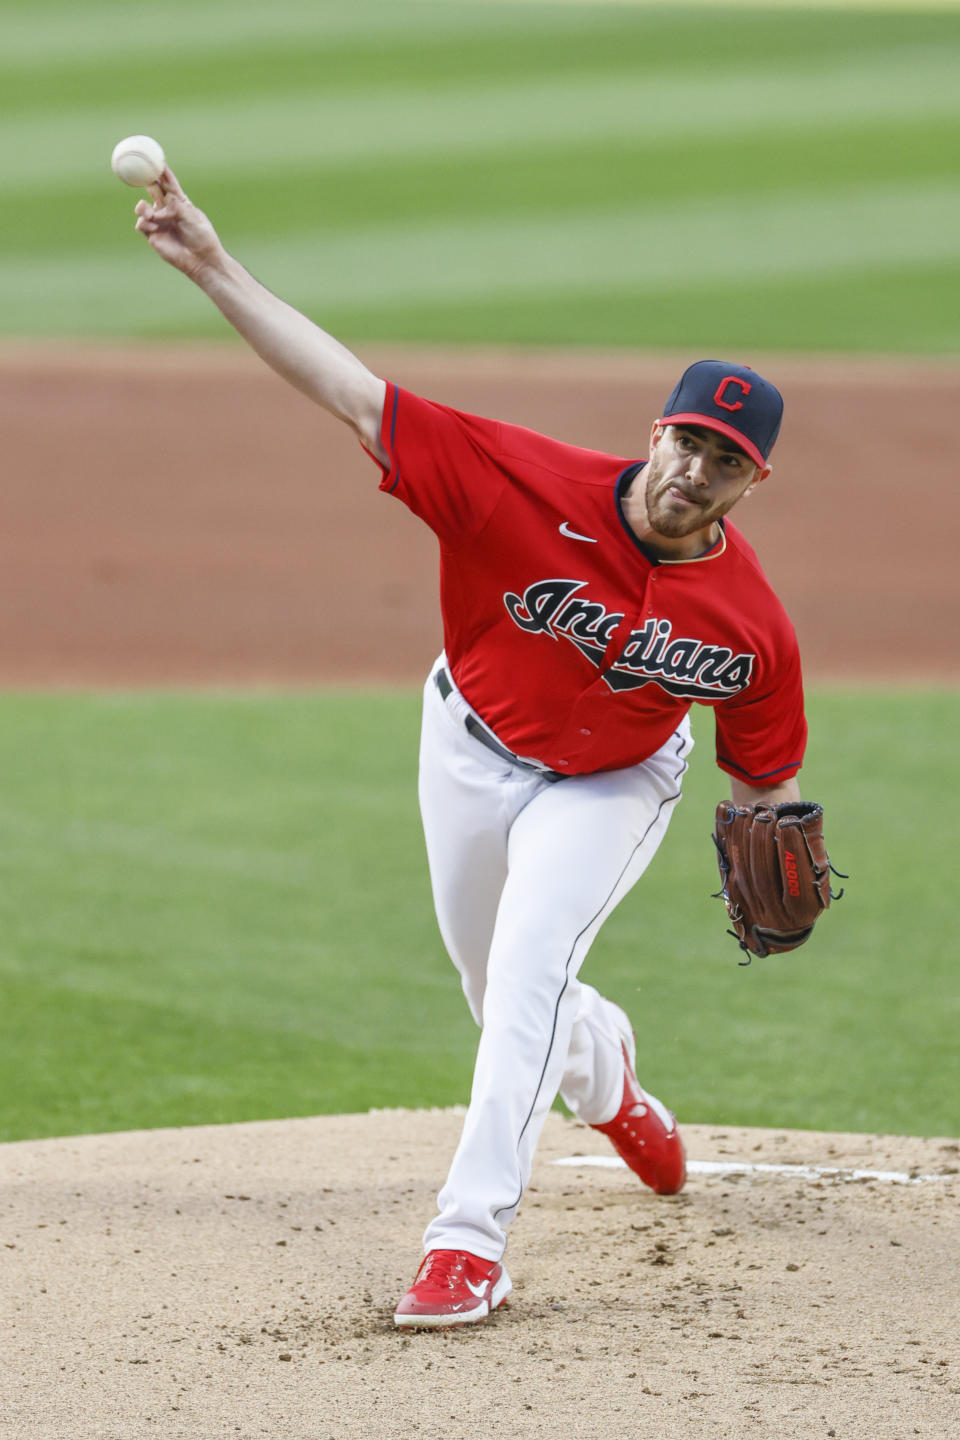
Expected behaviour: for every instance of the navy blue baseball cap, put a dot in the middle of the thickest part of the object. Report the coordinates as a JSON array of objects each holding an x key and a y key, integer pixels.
[{"x": 731, "y": 399}]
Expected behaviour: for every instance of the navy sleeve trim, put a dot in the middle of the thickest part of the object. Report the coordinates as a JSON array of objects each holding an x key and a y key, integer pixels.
[
  {"x": 768, "y": 775},
  {"x": 393, "y": 431}
]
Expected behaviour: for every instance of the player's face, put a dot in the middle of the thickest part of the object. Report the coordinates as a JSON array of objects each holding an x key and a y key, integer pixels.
[{"x": 694, "y": 476}]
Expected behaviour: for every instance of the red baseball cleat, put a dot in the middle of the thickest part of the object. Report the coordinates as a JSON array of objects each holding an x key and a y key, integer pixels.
[
  {"x": 645, "y": 1134},
  {"x": 453, "y": 1287}
]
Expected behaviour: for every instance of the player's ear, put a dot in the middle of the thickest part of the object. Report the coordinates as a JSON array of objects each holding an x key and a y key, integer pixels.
[
  {"x": 656, "y": 433},
  {"x": 759, "y": 475}
]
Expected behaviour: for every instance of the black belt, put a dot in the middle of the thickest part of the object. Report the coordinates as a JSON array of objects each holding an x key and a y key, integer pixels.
[{"x": 481, "y": 733}]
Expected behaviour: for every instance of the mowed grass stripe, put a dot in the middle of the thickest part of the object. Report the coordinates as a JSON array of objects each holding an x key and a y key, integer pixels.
[
  {"x": 595, "y": 177},
  {"x": 893, "y": 308},
  {"x": 463, "y": 261},
  {"x": 745, "y": 236},
  {"x": 911, "y": 7},
  {"x": 294, "y": 129},
  {"x": 359, "y": 53},
  {"x": 160, "y": 32},
  {"x": 362, "y": 61}
]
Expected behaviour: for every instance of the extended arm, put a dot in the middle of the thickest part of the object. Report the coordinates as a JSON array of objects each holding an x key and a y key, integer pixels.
[{"x": 298, "y": 350}]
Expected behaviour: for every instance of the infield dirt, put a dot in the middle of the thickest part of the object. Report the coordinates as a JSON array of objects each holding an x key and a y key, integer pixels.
[
  {"x": 180, "y": 517},
  {"x": 240, "y": 1280}
]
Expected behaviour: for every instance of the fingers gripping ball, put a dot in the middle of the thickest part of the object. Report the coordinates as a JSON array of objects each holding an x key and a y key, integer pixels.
[
  {"x": 774, "y": 873},
  {"x": 138, "y": 160}
]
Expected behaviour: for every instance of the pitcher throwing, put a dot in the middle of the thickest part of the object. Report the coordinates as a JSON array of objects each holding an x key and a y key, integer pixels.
[{"x": 588, "y": 601}]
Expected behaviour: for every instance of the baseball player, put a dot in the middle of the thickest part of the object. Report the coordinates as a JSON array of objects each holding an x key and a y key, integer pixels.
[{"x": 588, "y": 601}]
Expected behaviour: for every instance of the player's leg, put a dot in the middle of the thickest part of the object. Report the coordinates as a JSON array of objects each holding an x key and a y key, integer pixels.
[
  {"x": 574, "y": 851},
  {"x": 468, "y": 800},
  {"x": 600, "y": 1085},
  {"x": 592, "y": 1083}
]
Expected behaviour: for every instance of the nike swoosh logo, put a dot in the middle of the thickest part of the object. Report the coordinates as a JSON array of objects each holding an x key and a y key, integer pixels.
[
  {"x": 476, "y": 1289},
  {"x": 573, "y": 534}
]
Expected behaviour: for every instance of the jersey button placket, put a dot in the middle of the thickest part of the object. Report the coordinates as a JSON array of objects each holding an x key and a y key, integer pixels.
[{"x": 654, "y": 576}]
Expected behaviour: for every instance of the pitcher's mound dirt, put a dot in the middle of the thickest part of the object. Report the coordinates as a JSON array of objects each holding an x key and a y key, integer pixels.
[{"x": 240, "y": 1281}]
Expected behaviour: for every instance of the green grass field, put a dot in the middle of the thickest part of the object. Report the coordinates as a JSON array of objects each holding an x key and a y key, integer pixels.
[
  {"x": 216, "y": 908},
  {"x": 626, "y": 174}
]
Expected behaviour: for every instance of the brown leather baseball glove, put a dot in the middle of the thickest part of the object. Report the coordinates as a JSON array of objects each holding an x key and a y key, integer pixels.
[{"x": 774, "y": 873}]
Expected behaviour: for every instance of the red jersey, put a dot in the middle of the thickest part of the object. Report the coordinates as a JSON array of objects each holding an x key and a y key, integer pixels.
[{"x": 574, "y": 644}]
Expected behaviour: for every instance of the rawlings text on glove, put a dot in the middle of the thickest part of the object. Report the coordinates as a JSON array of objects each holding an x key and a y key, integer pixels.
[{"x": 774, "y": 873}]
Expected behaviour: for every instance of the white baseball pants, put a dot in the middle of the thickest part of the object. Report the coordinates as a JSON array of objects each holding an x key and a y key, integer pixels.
[{"x": 524, "y": 873}]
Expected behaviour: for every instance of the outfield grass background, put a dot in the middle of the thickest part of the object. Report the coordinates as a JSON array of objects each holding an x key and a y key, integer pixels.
[
  {"x": 628, "y": 174},
  {"x": 216, "y": 907}
]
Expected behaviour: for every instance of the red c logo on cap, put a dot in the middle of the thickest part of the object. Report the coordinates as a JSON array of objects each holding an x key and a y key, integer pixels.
[{"x": 718, "y": 399}]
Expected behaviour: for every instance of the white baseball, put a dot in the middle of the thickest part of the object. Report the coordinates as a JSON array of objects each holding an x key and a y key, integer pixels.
[{"x": 138, "y": 160}]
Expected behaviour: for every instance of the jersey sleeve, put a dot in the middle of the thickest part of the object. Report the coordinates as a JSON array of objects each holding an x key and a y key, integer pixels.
[
  {"x": 762, "y": 734},
  {"x": 443, "y": 463}
]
